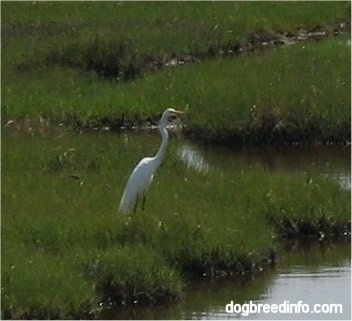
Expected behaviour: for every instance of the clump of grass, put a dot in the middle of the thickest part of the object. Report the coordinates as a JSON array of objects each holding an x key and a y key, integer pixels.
[
  {"x": 297, "y": 215},
  {"x": 133, "y": 275},
  {"x": 107, "y": 56},
  {"x": 42, "y": 285}
]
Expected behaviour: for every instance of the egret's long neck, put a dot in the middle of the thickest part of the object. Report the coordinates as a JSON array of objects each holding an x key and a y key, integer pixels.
[{"x": 164, "y": 139}]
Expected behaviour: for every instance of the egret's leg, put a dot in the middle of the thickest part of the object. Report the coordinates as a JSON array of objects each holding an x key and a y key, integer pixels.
[{"x": 143, "y": 202}]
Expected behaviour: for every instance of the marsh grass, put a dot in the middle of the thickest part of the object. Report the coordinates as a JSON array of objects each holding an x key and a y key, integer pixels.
[
  {"x": 52, "y": 68},
  {"x": 297, "y": 215},
  {"x": 66, "y": 250},
  {"x": 39, "y": 284},
  {"x": 87, "y": 36},
  {"x": 275, "y": 97}
]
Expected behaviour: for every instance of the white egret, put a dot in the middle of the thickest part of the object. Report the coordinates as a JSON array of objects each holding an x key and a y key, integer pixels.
[{"x": 143, "y": 173}]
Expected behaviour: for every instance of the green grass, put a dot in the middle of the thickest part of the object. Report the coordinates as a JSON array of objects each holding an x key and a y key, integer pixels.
[
  {"x": 41, "y": 30},
  {"x": 277, "y": 96},
  {"x": 65, "y": 247},
  {"x": 52, "y": 68}
]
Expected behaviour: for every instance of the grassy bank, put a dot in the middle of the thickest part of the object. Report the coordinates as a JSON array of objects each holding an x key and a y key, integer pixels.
[
  {"x": 276, "y": 96},
  {"x": 66, "y": 252}
]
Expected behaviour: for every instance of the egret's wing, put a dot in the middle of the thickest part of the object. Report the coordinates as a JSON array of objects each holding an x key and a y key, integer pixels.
[{"x": 138, "y": 182}]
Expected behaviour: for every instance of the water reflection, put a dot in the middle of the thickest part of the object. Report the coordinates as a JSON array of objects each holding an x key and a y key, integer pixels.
[
  {"x": 192, "y": 158},
  {"x": 329, "y": 161},
  {"x": 333, "y": 162},
  {"x": 313, "y": 280},
  {"x": 344, "y": 179}
]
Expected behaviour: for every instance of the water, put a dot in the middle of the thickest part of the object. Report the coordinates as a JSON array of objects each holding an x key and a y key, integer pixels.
[
  {"x": 310, "y": 273},
  {"x": 332, "y": 161},
  {"x": 329, "y": 161}
]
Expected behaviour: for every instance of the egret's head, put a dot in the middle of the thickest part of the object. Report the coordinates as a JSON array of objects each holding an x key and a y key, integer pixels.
[{"x": 170, "y": 114}]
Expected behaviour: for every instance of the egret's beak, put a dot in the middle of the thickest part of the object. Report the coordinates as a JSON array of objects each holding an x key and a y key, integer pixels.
[{"x": 176, "y": 114}]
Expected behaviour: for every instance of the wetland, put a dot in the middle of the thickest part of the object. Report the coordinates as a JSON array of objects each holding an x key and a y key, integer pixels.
[
  {"x": 253, "y": 199},
  {"x": 211, "y": 212}
]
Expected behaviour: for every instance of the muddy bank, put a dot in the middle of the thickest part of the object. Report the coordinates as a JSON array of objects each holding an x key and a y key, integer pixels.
[
  {"x": 274, "y": 132},
  {"x": 268, "y": 130},
  {"x": 255, "y": 42}
]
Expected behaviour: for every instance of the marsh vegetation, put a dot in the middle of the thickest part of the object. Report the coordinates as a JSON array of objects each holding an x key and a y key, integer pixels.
[
  {"x": 66, "y": 251},
  {"x": 62, "y": 226}
]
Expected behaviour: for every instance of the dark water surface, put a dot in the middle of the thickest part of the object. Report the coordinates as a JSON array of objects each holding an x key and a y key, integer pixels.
[{"x": 330, "y": 161}]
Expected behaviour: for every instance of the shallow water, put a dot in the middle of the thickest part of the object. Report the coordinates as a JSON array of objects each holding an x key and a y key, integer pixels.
[
  {"x": 329, "y": 161},
  {"x": 310, "y": 273}
]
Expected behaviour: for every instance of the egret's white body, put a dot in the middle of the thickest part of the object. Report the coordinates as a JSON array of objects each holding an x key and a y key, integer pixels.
[{"x": 143, "y": 173}]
